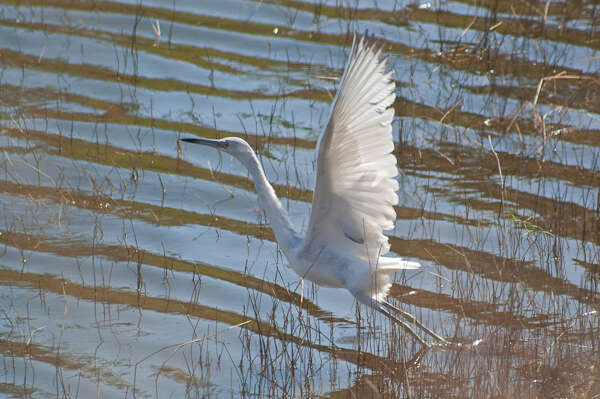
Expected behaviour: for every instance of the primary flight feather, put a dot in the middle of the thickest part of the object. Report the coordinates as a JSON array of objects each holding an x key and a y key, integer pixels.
[{"x": 355, "y": 189}]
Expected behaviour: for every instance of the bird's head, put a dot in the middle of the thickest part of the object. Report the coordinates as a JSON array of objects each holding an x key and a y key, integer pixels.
[{"x": 232, "y": 145}]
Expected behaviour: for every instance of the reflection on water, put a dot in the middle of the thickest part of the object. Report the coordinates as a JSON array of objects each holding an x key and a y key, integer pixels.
[{"x": 132, "y": 268}]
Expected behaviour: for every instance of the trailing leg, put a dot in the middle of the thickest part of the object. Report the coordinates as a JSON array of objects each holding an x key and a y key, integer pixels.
[
  {"x": 414, "y": 320},
  {"x": 367, "y": 300}
]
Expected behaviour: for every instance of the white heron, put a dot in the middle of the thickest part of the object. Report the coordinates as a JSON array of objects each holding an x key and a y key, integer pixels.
[{"x": 354, "y": 194}]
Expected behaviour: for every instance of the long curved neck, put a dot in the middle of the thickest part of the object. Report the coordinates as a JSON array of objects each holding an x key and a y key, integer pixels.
[{"x": 282, "y": 227}]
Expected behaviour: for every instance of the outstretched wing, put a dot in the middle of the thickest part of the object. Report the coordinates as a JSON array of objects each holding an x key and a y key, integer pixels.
[{"x": 355, "y": 188}]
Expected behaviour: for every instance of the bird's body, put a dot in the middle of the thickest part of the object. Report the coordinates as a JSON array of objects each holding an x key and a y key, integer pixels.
[{"x": 355, "y": 189}]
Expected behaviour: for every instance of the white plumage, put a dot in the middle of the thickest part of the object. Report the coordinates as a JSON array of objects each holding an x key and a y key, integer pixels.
[{"x": 355, "y": 189}]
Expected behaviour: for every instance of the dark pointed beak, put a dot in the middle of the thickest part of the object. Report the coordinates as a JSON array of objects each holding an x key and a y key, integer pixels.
[{"x": 208, "y": 142}]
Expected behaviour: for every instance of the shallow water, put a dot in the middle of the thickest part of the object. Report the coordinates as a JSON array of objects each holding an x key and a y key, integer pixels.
[{"x": 134, "y": 267}]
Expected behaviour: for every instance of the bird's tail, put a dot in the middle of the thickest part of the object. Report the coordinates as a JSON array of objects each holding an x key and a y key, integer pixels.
[
  {"x": 391, "y": 265},
  {"x": 378, "y": 285},
  {"x": 380, "y": 275}
]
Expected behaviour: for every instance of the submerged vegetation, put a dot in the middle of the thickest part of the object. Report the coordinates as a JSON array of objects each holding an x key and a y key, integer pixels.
[{"x": 130, "y": 267}]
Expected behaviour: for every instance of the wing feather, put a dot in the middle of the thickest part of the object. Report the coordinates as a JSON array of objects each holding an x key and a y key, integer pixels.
[{"x": 355, "y": 187}]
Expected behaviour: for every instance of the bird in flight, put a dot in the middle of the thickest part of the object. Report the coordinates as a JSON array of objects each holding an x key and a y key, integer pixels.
[{"x": 355, "y": 190}]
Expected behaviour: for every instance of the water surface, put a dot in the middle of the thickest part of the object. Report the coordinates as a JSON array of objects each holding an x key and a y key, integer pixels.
[{"x": 134, "y": 267}]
